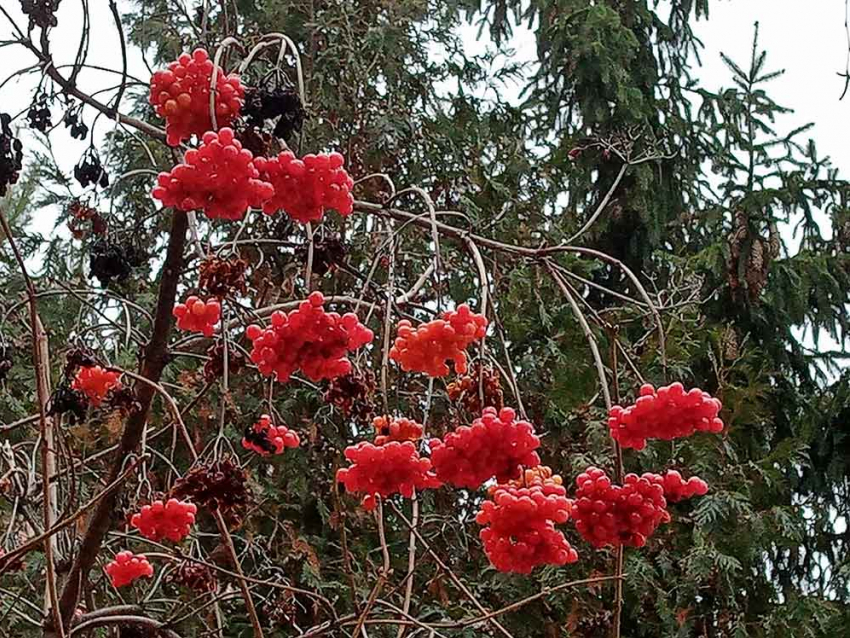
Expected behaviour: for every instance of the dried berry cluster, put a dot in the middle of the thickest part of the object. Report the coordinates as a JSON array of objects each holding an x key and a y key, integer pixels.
[
  {"x": 195, "y": 576},
  {"x": 397, "y": 429},
  {"x": 11, "y": 155},
  {"x": 220, "y": 178},
  {"x": 214, "y": 366},
  {"x": 352, "y": 394},
  {"x": 669, "y": 413},
  {"x": 520, "y": 519},
  {"x": 128, "y": 567},
  {"x": 307, "y": 339},
  {"x": 266, "y": 104},
  {"x": 429, "y": 347},
  {"x": 495, "y": 445},
  {"x": 38, "y": 114},
  {"x": 197, "y": 315},
  {"x": 96, "y": 383},
  {"x": 181, "y": 95},
  {"x": 171, "y": 519},
  {"x": 305, "y": 188},
  {"x": 73, "y": 119},
  {"x": 265, "y": 438},
  {"x": 79, "y": 215},
  {"x": 89, "y": 170},
  {"x": 384, "y": 470},
  {"x": 328, "y": 253},
  {"x": 223, "y": 277},
  {"x": 467, "y": 389},
  {"x": 608, "y": 514},
  {"x": 112, "y": 262},
  {"x": 40, "y": 12},
  {"x": 219, "y": 486}
]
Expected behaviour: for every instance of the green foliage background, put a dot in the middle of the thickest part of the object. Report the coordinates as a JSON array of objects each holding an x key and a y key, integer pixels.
[{"x": 761, "y": 555}]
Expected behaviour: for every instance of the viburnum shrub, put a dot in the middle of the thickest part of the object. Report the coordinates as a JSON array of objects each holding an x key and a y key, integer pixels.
[
  {"x": 678, "y": 489},
  {"x": 608, "y": 514},
  {"x": 668, "y": 413},
  {"x": 428, "y": 347},
  {"x": 219, "y": 178},
  {"x": 383, "y": 470},
  {"x": 306, "y": 188},
  {"x": 95, "y": 383},
  {"x": 520, "y": 519},
  {"x": 307, "y": 339},
  {"x": 181, "y": 95},
  {"x": 171, "y": 519},
  {"x": 265, "y": 438},
  {"x": 495, "y": 445},
  {"x": 128, "y": 567},
  {"x": 197, "y": 315},
  {"x": 396, "y": 429}
]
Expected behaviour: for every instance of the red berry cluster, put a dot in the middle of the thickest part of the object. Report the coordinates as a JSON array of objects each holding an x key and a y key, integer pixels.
[
  {"x": 384, "y": 470},
  {"x": 95, "y": 383},
  {"x": 607, "y": 514},
  {"x": 170, "y": 519},
  {"x": 496, "y": 444},
  {"x": 197, "y": 315},
  {"x": 520, "y": 523},
  {"x": 128, "y": 567},
  {"x": 669, "y": 413},
  {"x": 219, "y": 177},
  {"x": 305, "y": 188},
  {"x": 307, "y": 339},
  {"x": 181, "y": 95},
  {"x": 398, "y": 429},
  {"x": 428, "y": 347},
  {"x": 678, "y": 489},
  {"x": 265, "y": 438}
]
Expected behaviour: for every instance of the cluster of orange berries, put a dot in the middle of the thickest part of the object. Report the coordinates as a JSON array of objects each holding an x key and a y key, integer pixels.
[
  {"x": 431, "y": 345},
  {"x": 96, "y": 383},
  {"x": 197, "y": 315},
  {"x": 181, "y": 95}
]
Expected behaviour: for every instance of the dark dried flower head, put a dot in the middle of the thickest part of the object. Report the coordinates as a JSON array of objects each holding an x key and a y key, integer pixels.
[
  {"x": 221, "y": 486},
  {"x": 266, "y": 104},
  {"x": 109, "y": 261},
  {"x": 214, "y": 367},
  {"x": 90, "y": 171},
  {"x": 11, "y": 154},
  {"x": 353, "y": 394},
  {"x": 223, "y": 277},
  {"x": 39, "y": 113},
  {"x": 40, "y": 12},
  {"x": 195, "y": 576}
]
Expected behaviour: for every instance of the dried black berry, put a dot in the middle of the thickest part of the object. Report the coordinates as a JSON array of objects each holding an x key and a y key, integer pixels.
[
  {"x": 110, "y": 262},
  {"x": 40, "y": 12},
  {"x": 39, "y": 113},
  {"x": 79, "y": 357},
  {"x": 89, "y": 170},
  {"x": 73, "y": 119},
  {"x": 11, "y": 154},
  {"x": 267, "y": 104},
  {"x": 65, "y": 400}
]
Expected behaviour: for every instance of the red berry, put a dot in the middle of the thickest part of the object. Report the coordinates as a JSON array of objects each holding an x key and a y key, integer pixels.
[
  {"x": 95, "y": 383},
  {"x": 196, "y": 315},
  {"x": 170, "y": 519},
  {"x": 429, "y": 347},
  {"x": 265, "y": 438},
  {"x": 677, "y": 489},
  {"x": 667, "y": 414},
  {"x": 128, "y": 567},
  {"x": 181, "y": 95},
  {"x": 219, "y": 178},
  {"x": 607, "y": 514},
  {"x": 307, "y": 339},
  {"x": 494, "y": 445},
  {"x": 384, "y": 470},
  {"x": 306, "y": 188}
]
